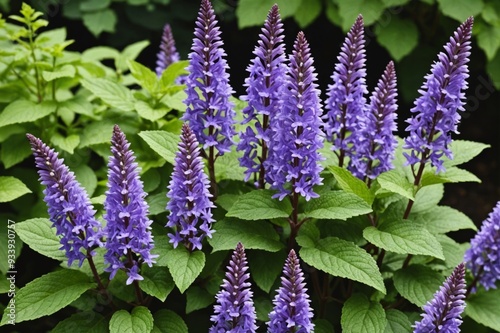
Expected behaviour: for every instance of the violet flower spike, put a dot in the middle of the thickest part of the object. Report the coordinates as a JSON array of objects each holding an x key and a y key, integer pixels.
[
  {"x": 292, "y": 311},
  {"x": 483, "y": 256},
  {"x": 234, "y": 311},
  {"x": 128, "y": 228},
  {"x": 375, "y": 140},
  {"x": 69, "y": 207},
  {"x": 345, "y": 102},
  {"x": 441, "y": 97},
  {"x": 294, "y": 166},
  {"x": 189, "y": 205},
  {"x": 168, "y": 52},
  {"x": 443, "y": 312},
  {"x": 267, "y": 75}
]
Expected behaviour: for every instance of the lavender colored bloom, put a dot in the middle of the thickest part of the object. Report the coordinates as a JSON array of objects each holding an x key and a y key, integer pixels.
[
  {"x": 375, "y": 139},
  {"x": 483, "y": 256},
  {"x": 345, "y": 102},
  {"x": 296, "y": 129},
  {"x": 168, "y": 53},
  {"x": 190, "y": 205},
  {"x": 209, "y": 112},
  {"x": 442, "y": 313},
  {"x": 267, "y": 74},
  {"x": 68, "y": 204},
  {"x": 234, "y": 311},
  {"x": 442, "y": 94},
  {"x": 129, "y": 240},
  {"x": 292, "y": 311}
]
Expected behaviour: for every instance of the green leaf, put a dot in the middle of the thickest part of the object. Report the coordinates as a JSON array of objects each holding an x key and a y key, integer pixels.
[
  {"x": 464, "y": 151},
  {"x": 157, "y": 282},
  {"x": 399, "y": 37},
  {"x": 172, "y": 72},
  {"x": 258, "y": 235},
  {"x": 397, "y": 322},
  {"x": 307, "y": 12},
  {"x": 146, "y": 77},
  {"x": 112, "y": 93},
  {"x": 254, "y": 12},
  {"x": 451, "y": 175},
  {"x": 83, "y": 322},
  {"x": 146, "y": 111},
  {"x": 163, "y": 143},
  {"x": 97, "y": 133},
  {"x": 14, "y": 150},
  {"x": 68, "y": 143},
  {"x": 227, "y": 166},
  {"x": 63, "y": 71},
  {"x": 323, "y": 326},
  {"x": 265, "y": 268},
  {"x": 484, "y": 308},
  {"x": 453, "y": 251},
  {"x": 345, "y": 259},
  {"x": 49, "y": 293},
  {"x": 139, "y": 321},
  {"x": 12, "y": 188},
  {"x": 93, "y": 5},
  {"x": 404, "y": 237},
  {"x": 460, "y": 10},
  {"x": 361, "y": 315},
  {"x": 352, "y": 184},
  {"x": 175, "y": 101},
  {"x": 394, "y": 182},
  {"x": 259, "y": 205},
  {"x": 86, "y": 177},
  {"x": 184, "y": 266},
  {"x": 488, "y": 39},
  {"x": 22, "y": 111},
  {"x": 443, "y": 219},
  {"x": 41, "y": 237},
  {"x": 100, "y": 21},
  {"x": 336, "y": 205},
  {"x": 349, "y": 10},
  {"x": 166, "y": 321},
  {"x": 198, "y": 298},
  {"x": 417, "y": 283},
  {"x": 427, "y": 197},
  {"x": 157, "y": 203},
  {"x": 130, "y": 52}
]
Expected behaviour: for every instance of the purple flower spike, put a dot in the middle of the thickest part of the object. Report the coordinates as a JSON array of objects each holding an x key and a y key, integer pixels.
[
  {"x": 168, "y": 53},
  {"x": 442, "y": 94},
  {"x": 234, "y": 311},
  {"x": 292, "y": 311},
  {"x": 190, "y": 205},
  {"x": 128, "y": 228},
  {"x": 346, "y": 99},
  {"x": 267, "y": 74},
  {"x": 483, "y": 256},
  {"x": 68, "y": 204},
  {"x": 442, "y": 313},
  {"x": 375, "y": 138},
  {"x": 209, "y": 112},
  {"x": 296, "y": 130}
]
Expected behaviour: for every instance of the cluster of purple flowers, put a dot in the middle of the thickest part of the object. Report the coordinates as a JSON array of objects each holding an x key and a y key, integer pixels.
[{"x": 168, "y": 52}]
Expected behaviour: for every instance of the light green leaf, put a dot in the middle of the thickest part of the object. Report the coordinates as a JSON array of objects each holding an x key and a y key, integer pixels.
[
  {"x": 227, "y": 166},
  {"x": 404, "y": 237},
  {"x": 443, "y": 219},
  {"x": 49, "y": 293},
  {"x": 175, "y": 101},
  {"x": 349, "y": 10},
  {"x": 162, "y": 142},
  {"x": 157, "y": 203},
  {"x": 417, "y": 283},
  {"x": 184, "y": 266},
  {"x": 336, "y": 205},
  {"x": 361, "y": 315},
  {"x": 22, "y": 111},
  {"x": 453, "y": 251},
  {"x": 394, "y": 182},
  {"x": 14, "y": 150},
  {"x": 166, "y": 321},
  {"x": 78, "y": 105},
  {"x": 451, "y": 175},
  {"x": 172, "y": 72},
  {"x": 254, "y": 12},
  {"x": 161, "y": 249},
  {"x": 112, "y": 93},
  {"x": 68, "y": 143},
  {"x": 146, "y": 111},
  {"x": 259, "y": 205},
  {"x": 64, "y": 71},
  {"x": 83, "y": 322},
  {"x": 41, "y": 237},
  {"x": 258, "y": 235},
  {"x": 96, "y": 133},
  {"x": 265, "y": 268},
  {"x": 146, "y": 77},
  {"x": 427, "y": 197},
  {"x": 157, "y": 282},
  {"x": 130, "y": 52},
  {"x": 139, "y": 321},
  {"x": 100, "y": 21},
  {"x": 352, "y": 184},
  {"x": 98, "y": 53},
  {"x": 197, "y": 298},
  {"x": 345, "y": 259},
  {"x": 11, "y": 188},
  {"x": 460, "y": 10},
  {"x": 397, "y": 322},
  {"x": 488, "y": 39},
  {"x": 307, "y": 12},
  {"x": 484, "y": 308},
  {"x": 399, "y": 37},
  {"x": 464, "y": 151},
  {"x": 86, "y": 177}
]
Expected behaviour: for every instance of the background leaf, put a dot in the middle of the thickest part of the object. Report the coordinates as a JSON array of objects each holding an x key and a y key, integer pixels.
[
  {"x": 359, "y": 314},
  {"x": 139, "y": 320},
  {"x": 11, "y": 188}
]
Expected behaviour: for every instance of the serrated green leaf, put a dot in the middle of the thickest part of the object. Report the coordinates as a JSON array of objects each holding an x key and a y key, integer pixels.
[
  {"x": 161, "y": 249},
  {"x": 22, "y": 111},
  {"x": 451, "y": 175},
  {"x": 349, "y": 10},
  {"x": 11, "y": 188},
  {"x": 399, "y": 37},
  {"x": 130, "y": 52},
  {"x": 100, "y": 21},
  {"x": 266, "y": 267},
  {"x": 397, "y": 322},
  {"x": 417, "y": 283},
  {"x": 460, "y": 10},
  {"x": 166, "y": 321},
  {"x": 394, "y": 182},
  {"x": 4, "y": 285},
  {"x": 63, "y": 71},
  {"x": 184, "y": 266},
  {"x": 484, "y": 308},
  {"x": 146, "y": 111},
  {"x": 68, "y": 143},
  {"x": 78, "y": 104},
  {"x": 146, "y": 77},
  {"x": 443, "y": 219},
  {"x": 427, "y": 197},
  {"x": 41, "y": 237},
  {"x": 97, "y": 133},
  {"x": 464, "y": 151},
  {"x": 345, "y": 259},
  {"x": 83, "y": 322},
  {"x": 254, "y": 12},
  {"x": 404, "y": 237},
  {"x": 172, "y": 72},
  {"x": 49, "y": 293},
  {"x": 157, "y": 282},
  {"x": 352, "y": 184},
  {"x": 157, "y": 203},
  {"x": 360, "y": 315},
  {"x": 453, "y": 251},
  {"x": 259, "y": 205},
  {"x": 14, "y": 150},
  {"x": 162, "y": 142},
  {"x": 336, "y": 205},
  {"x": 139, "y": 321},
  {"x": 111, "y": 93},
  {"x": 197, "y": 298},
  {"x": 257, "y": 235},
  {"x": 175, "y": 101},
  {"x": 307, "y": 12}
]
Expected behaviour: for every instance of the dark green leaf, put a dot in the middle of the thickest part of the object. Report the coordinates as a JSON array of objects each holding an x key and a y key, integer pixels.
[
  {"x": 460, "y": 10},
  {"x": 14, "y": 150},
  {"x": 41, "y": 237},
  {"x": 166, "y": 321},
  {"x": 397, "y": 322},
  {"x": 100, "y": 21},
  {"x": 146, "y": 111},
  {"x": 139, "y": 321},
  {"x": 83, "y": 322},
  {"x": 336, "y": 205},
  {"x": 11, "y": 188},
  {"x": 307, "y": 12},
  {"x": 484, "y": 308},
  {"x": 259, "y": 205},
  {"x": 266, "y": 267},
  {"x": 399, "y": 37},
  {"x": 197, "y": 298},
  {"x": 359, "y": 314},
  {"x": 417, "y": 283},
  {"x": 157, "y": 282},
  {"x": 443, "y": 219}
]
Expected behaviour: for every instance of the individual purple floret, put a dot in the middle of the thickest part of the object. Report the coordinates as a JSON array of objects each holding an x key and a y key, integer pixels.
[
  {"x": 190, "y": 205},
  {"x": 128, "y": 229},
  {"x": 375, "y": 138},
  {"x": 294, "y": 167},
  {"x": 292, "y": 311},
  {"x": 168, "y": 53},
  {"x": 346, "y": 101},
  {"x": 267, "y": 74},
  {"x": 69, "y": 207},
  {"x": 209, "y": 112},
  {"x": 234, "y": 311},
  {"x": 483, "y": 256},
  {"x": 442, "y": 95},
  {"x": 442, "y": 313}
]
